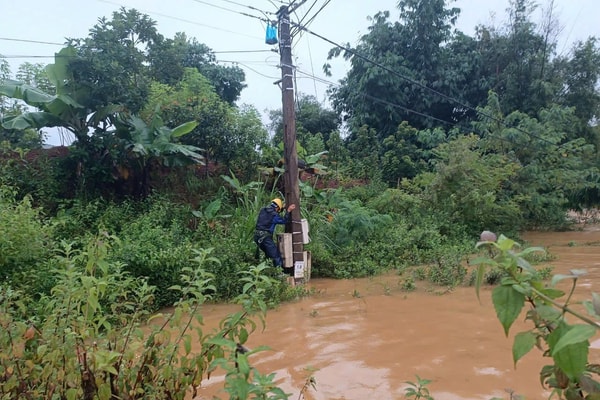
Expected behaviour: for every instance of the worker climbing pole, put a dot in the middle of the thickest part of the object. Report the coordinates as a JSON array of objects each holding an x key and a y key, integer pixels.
[{"x": 291, "y": 180}]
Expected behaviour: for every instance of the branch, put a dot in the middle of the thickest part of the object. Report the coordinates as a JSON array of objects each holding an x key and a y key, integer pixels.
[{"x": 565, "y": 308}]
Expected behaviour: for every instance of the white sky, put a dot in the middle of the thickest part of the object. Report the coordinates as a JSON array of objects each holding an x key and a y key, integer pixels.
[{"x": 222, "y": 30}]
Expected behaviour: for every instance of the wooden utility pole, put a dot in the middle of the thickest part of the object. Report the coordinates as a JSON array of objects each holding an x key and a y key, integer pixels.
[{"x": 292, "y": 189}]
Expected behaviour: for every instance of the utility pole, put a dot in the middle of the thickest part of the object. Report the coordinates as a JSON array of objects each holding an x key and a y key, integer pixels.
[{"x": 292, "y": 190}]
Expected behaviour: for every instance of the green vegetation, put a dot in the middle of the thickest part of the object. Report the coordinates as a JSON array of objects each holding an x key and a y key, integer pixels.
[
  {"x": 418, "y": 390},
  {"x": 94, "y": 338},
  {"x": 570, "y": 375},
  {"x": 154, "y": 203}
]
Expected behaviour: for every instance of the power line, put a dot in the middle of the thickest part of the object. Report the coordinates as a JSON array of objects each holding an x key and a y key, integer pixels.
[
  {"x": 307, "y": 12},
  {"x": 311, "y": 63},
  {"x": 24, "y": 56},
  {"x": 250, "y": 68},
  {"x": 31, "y": 41},
  {"x": 292, "y": 4},
  {"x": 247, "y": 6},
  {"x": 313, "y": 17},
  {"x": 243, "y": 51},
  {"x": 408, "y": 110},
  {"x": 60, "y": 55},
  {"x": 248, "y": 62},
  {"x": 233, "y": 11},
  {"x": 277, "y": 1},
  {"x": 419, "y": 84},
  {"x": 307, "y": 23},
  {"x": 389, "y": 103},
  {"x": 186, "y": 21}
]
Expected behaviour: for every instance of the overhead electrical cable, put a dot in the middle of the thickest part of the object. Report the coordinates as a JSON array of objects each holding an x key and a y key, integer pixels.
[
  {"x": 185, "y": 20},
  {"x": 242, "y": 51},
  {"x": 233, "y": 11},
  {"x": 311, "y": 18},
  {"x": 60, "y": 55},
  {"x": 250, "y": 7},
  {"x": 312, "y": 67},
  {"x": 24, "y": 56},
  {"x": 306, "y": 25},
  {"x": 419, "y": 84},
  {"x": 389, "y": 103},
  {"x": 408, "y": 110},
  {"x": 32, "y": 41},
  {"x": 250, "y": 68},
  {"x": 307, "y": 12}
]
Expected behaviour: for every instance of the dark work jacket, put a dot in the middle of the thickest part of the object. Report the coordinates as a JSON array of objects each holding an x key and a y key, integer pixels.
[{"x": 268, "y": 218}]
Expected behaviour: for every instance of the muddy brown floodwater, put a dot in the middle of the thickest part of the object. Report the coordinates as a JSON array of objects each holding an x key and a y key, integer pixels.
[{"x": 365, "y": 338}]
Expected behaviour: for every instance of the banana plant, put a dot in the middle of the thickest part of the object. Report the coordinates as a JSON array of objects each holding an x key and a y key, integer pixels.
[
  {"x": 147, "y": 144},
  {"x": 131, "y": 143},
  {"x": 66, "y": 108}
]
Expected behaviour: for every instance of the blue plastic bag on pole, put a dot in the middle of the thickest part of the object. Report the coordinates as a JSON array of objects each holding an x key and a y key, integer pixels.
[{"x": 271, "y": 37}]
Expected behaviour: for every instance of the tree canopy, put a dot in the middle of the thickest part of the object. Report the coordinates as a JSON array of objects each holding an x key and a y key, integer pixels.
[{"x": 420, "y": 101}]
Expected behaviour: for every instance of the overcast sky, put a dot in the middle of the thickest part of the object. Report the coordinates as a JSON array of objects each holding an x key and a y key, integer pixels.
[{"x": 222, "y": 26}]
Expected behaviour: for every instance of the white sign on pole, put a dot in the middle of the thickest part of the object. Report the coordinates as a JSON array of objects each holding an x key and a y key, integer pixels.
[{"x": 299, "y": 269}]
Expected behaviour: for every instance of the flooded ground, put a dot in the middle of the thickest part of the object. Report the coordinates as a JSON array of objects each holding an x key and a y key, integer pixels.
[{"x": 365, "y": 338}]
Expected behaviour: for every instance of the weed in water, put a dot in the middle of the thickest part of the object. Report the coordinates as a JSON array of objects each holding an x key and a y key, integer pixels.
[
  {"x": 418, "y": 390},
  {"x": 387, "y": 290},
  {"x": 512, "y": 395},
  {"x": 545, "y": 273},
  {"x": 310, "y": 382},
  {"x": 408, "y": 285},
  {"x": 420, "y": 274}
]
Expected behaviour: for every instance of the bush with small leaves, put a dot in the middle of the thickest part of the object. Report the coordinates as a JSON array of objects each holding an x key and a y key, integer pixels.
[{"x": 98, "y": 341}]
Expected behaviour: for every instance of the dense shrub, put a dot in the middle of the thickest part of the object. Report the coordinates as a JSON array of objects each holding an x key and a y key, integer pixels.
[
  {"x": 25, "y": 238},
  {"x": 156, "y": 245},
  {"x": 97, "y": 340},
  {"x": 40, "y": 173}
]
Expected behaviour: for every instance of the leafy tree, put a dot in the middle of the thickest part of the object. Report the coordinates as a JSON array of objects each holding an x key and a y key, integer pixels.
[
  {"x": 112, "y": 62},
  {"x": 468, "y": 186},
  {"x": 364, "y": 154},
  {"x": 227, "y": 81},
  {"x": 169, "y": 58},
  {"x": 337, "y": 151},
  {"x": 467, "y": 77},
  {"x": 4, "y": 75},
  {"x": 35, "y": 75},
  {"x": 402, "y": 156},
  {"x": 581, "y": 77},
  {"x": 311, "y": 118},
  {"x": 99, "y": 149},
  {"x": 90, "y": 162},
  {"x": 514, "y": 60},
  {"x": 226, "y": 135},
  {"x": 551, "y": 164},
  {"x": 413, "y": 48},
  {"x": 248, "y": 136},
  {"x": 165, "y": 58},
  {"x": 314, "y": 144},
  {"x": 9, "y": 138},
  {"x": 68, "y": 108}
]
